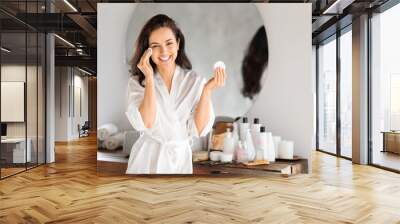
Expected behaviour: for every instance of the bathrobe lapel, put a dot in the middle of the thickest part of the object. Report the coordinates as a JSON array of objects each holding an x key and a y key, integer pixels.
[{"x": 169, "y": 98}]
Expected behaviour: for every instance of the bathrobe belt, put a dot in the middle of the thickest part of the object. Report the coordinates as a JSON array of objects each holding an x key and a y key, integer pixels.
[
  {"x": 164, "y": 143},
  {"x": 171, "y": 149}
]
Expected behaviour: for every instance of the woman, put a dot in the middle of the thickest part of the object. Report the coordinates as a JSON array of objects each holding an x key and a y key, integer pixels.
[{"x": 168, "y": 102}]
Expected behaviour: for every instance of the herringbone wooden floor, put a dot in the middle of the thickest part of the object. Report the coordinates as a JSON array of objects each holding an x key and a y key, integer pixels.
[{"x": 70, "y": 191}]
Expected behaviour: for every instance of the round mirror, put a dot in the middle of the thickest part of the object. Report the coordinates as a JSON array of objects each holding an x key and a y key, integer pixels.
[{"x": 232, "y": 33}]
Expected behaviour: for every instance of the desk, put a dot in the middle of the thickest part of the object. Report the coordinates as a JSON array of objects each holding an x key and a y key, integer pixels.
[
  {"x": 13, "y": 150},
  {"x": 391, "y": 141}
]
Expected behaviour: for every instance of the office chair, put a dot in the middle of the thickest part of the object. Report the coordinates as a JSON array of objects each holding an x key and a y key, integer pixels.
[{"x": 84, "y": 130}]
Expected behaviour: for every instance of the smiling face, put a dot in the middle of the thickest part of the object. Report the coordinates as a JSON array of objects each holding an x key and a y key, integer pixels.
[{"x": 165, "y": 47}]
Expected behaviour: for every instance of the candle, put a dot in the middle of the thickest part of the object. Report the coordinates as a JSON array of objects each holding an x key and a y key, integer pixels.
[
  {"x": 226, "y": 157},
  {"x": 286, "y": 149},
  {"x": 215, "y": 155}
]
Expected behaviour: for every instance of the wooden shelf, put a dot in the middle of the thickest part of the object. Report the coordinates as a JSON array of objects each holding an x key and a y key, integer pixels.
[
  {"x": 210, "y": 168},
  {"x": 285, "y": 168}
]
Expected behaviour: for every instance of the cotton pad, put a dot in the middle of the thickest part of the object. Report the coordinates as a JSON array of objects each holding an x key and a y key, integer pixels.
[
  {"x": 150, "y": 51},
  {"x": 219, "y": 64}
]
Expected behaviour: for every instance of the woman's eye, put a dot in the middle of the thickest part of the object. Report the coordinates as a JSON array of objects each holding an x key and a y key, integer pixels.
[{"x": 169, "y": 43}]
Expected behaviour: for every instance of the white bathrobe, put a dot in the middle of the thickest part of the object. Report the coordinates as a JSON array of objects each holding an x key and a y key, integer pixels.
[{"x": 165, "y": 148}]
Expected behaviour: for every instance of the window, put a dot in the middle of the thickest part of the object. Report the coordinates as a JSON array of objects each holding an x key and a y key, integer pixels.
[
  {"x": 333, "y": 137},
  {"x": 385, "y": 88},
  {"x": 346, "y": 94},
  {"x": 327, "y": 97}
]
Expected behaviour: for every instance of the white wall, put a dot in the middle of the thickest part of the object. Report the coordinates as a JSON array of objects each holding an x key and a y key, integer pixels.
[
  {"x": 111, "y": 104},
  {"x": 61, "y": 104},
  {"x": 286, "y": 102},
  {"x": 65, "y": 97},
  {"x": 80, "y": 83}
]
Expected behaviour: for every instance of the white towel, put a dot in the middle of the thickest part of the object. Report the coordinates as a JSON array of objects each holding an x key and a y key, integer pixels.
[
  {"x": 114, "y": 141},
  {"x": 106, "y": 130}
]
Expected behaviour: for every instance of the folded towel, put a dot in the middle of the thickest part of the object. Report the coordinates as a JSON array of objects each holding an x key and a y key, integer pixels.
[
  {"x": 106, "y": 130},
  {"x": 114, "y": 141}
]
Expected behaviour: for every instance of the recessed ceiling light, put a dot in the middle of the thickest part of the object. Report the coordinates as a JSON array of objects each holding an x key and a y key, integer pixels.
[
  {"x": 84, "y": 71},
  {"x": 338, "y": 6},
  {"x": 5, "y": 50},
  {"x": 64, "y": 40},
  {"x": 70, "y": 5}
]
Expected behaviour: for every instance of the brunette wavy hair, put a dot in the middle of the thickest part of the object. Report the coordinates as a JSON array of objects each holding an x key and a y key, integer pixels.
[
  {"x": 142, "y": 44},
  {"x": 254, "y": 63}
]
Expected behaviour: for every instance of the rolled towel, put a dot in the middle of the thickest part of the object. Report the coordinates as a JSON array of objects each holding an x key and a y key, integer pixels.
[
  {"x": 130, "y": 138},
  {"x": 106, "y": 130},
  {"x": 114, "y": 141}
]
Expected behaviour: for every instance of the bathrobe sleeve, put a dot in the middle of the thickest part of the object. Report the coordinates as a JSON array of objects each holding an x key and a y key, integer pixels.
[
  {"x": 135, "y": 98},
  {"x": 191, "y": 125}
]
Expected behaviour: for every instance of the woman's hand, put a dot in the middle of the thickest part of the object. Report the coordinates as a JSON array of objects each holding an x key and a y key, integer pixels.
[
  {"x": 203, "y": 110},
  {"x": 145, "y": 66},
  {"x": 218, "y": 80}
]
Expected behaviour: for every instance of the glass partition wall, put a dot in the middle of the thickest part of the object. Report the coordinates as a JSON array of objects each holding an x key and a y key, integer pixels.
[{"x": 22, "y": 77}]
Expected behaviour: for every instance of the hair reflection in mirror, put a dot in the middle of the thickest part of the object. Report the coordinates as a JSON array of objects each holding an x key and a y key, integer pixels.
[
  {"x": 254, "y": 63},
  {"x": 142, "y": 43}
]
